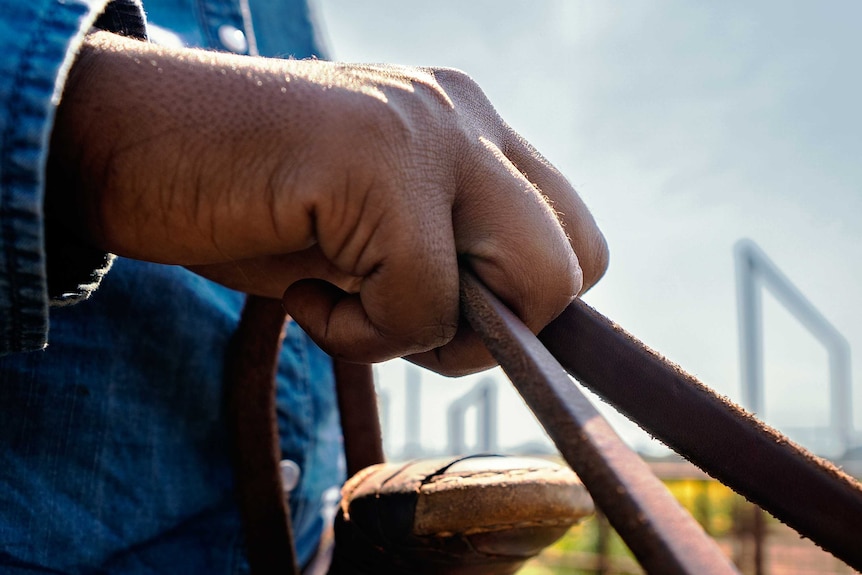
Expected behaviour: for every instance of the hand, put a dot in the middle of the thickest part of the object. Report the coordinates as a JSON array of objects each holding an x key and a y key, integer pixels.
[{"x": 355, "y": 188}]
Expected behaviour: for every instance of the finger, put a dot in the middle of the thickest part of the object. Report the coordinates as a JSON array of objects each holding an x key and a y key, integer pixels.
[
  {"x": 463, "y": 355},
  {"x": 269, "y": 276},
  {"x": 513, "y": 241},
  {"x": 584, "y": 235},
  {"x": 407, "y": 304},
  {"x": 326, "y": 312},
  {"x": 508, "y": 234}
]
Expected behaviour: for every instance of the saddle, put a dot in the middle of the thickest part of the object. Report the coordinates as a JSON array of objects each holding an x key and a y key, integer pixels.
[{"x": 425, "y": 517}]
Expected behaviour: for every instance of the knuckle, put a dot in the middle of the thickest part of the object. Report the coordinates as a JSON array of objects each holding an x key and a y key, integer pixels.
[
  {"x": 455, "y": 79},
  {"x": 557, "y": 299},
  {"x": 443, "y": 333},
  {"x": 574, "y": 283},
  {"x": 430, "y": 336},
  {"x": 595, "y": 262},
  {"x": 402, "y": 337},
  {"x": 555, "y": 290}
]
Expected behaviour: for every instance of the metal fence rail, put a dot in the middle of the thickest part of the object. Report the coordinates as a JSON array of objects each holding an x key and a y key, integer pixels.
[{"x": 753, "y": 270}]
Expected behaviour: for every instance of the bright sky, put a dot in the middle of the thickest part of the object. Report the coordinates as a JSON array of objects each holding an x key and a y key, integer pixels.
[{"x": 685, "y": 126}]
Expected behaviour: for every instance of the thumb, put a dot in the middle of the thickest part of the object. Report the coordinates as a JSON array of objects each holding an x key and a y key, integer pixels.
[{"x": 338, "y": 323}]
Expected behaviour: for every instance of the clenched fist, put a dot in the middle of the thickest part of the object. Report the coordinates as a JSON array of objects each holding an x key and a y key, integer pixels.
[{"x": 351, "y": 191}]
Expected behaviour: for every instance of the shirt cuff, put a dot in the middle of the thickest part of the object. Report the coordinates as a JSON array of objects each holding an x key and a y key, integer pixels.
[
  {"x": 38, "y": 43},
  {"x": 74, "y": 268}
]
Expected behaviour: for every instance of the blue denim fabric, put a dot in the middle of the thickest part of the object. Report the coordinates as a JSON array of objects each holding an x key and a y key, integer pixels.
[
  {"x": 113, "y": 440},
  {"x": 275, "y": 28},
  {"x": 37, "y": 41}
]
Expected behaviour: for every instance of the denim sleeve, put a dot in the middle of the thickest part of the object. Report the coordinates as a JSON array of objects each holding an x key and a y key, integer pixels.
[{"x": 38, "y": 42}]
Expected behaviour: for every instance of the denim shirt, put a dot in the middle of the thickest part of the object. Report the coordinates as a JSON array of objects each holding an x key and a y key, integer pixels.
[
  {"x": 38, "y": 40},
  {"x": 113, "y": 444}
]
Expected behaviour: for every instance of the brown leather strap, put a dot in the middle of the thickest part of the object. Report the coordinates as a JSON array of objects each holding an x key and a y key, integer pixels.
[
  {"x": 661, "y": 534},
  {"x": 250, "y": 382},
  {"x": 806, "y": 492},
  {"x": 360, "y": 423},
  {"x": 252, "y": 361}
]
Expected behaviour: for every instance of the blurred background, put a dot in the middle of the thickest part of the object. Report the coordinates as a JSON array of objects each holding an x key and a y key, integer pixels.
[{"x": 685, "y": 127}]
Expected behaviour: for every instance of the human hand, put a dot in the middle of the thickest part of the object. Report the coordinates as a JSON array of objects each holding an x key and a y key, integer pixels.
[{"x": 359, "y": 187}]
